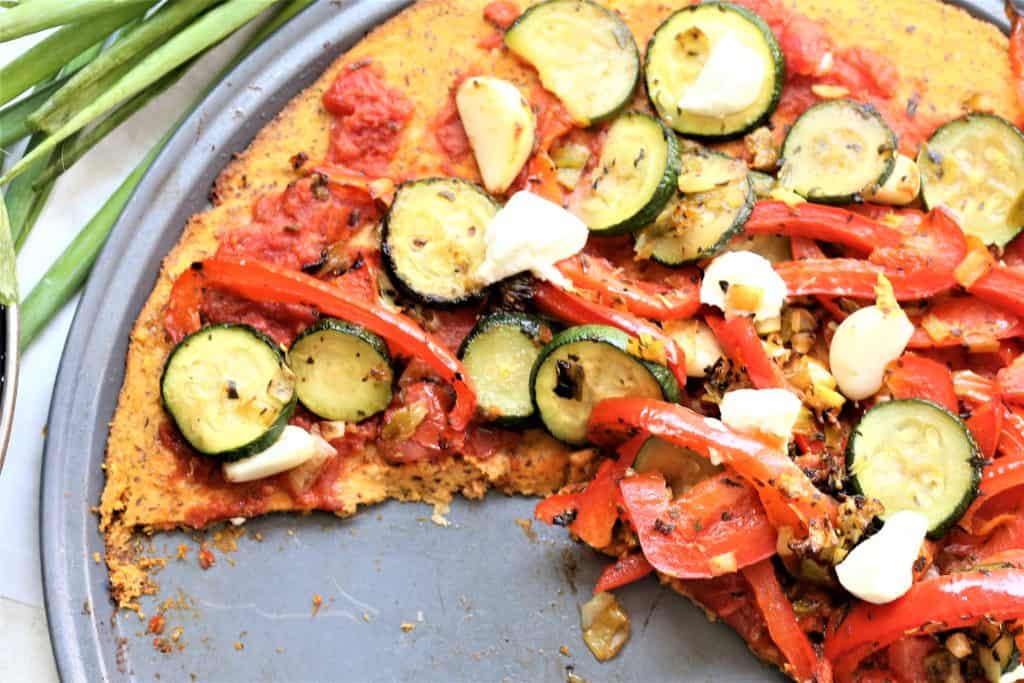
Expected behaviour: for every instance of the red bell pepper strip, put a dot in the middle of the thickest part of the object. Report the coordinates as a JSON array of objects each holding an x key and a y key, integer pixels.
[
  {"x": 577, "y": 310},
  {"x": 669, "y": 295},
  {"x": 559, "y": 508},
  {"x": 741, "y": 344},
  {"x": 920, "y": 267},
  {"x": 967, "y": 321},
  {"x": 820, "y": 222},
  {"x": 181, "y": 317},
  {"x": 1002, "y": 475},
  {"x": 789, "y": 497},
  {"x": 852, "y": 278},
  {"x": 946, "y": 602},
  {"x": 1011, "y": 381},
  {"x": 914, "y": 376},
  {"x": 801, "y": 661},
  {"x": 803, "y": 249},
  {"x": 986, "y": 424},
  {"x": 622, "y": 572},
  {"x": 265, "y": 282},
  {"x": 596, "y": 509},
  {"x": 714, "y": 528},
  {"x": 1003, "y": 286}
]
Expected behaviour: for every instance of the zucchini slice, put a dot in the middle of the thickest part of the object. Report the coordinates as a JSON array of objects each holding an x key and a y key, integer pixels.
[
  {"x": 975, "y": 166},
  {"x": 433, "y": 238},
  {"x": 499, "y": 354},
  {"x": 915, "y": 455},
  {"x": 582, "y": 52},
  {"x": 584, "y": 365},
  {"x": 634, "y": 179},
  {"x": 342, "y": 371},
  {"x": 228, "y": 390},
  {"x": 682, "y": 468},
  {"x": 745, "y": 74},
  {"x": 837, "y": 151},
  {"x": 715, "y": 200}
]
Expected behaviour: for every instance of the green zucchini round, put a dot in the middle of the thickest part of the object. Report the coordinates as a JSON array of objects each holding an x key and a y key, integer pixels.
[
  {"x": 342, "y": 371},
  {"x": 671, "y": 65},
  {"x": 499, "y": 353},
  {"x": 634, "y": 178},
  {"x": 584, "y": 53},
  {"x": 228, "y": 390},
  {"x": 837, "y": 151},
  {"x": 975, "y": 167},
  {"x": 701, "y": 221},
  {"x": 434, "y": 237},
  {"x": 584, "y": 365},
  {"x": 915, "y": 455}
]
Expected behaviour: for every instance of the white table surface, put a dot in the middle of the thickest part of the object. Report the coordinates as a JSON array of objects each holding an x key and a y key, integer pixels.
[{"x": 25, "y": 652}]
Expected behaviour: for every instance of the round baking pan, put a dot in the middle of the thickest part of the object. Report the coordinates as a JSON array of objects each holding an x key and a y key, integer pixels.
[{"x": 483, "y": 599}]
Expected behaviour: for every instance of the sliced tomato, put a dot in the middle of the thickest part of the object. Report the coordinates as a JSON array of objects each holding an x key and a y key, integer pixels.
[
  {"x": 741, "y": 344},
  {"x": 942, "y": 603},
  {"x": 623, "y": 571},
  {"x": 575, "y": 309},
  {"x": 714, "y": 528},
  {"x": 974, "y": 389},
  {"x": 820, "y": 222},
  {"x": 1017, "y": 60},
  {"x": 801, "y": 661},
  {"x": 964, "y": 321},
  {"x": 265, "y": 282},
  {"x": 789, "y": 497},
  {"x": 663, "y": 294},
  {"x": 920, "y": 267},
  {"x": 914, "y": 376}
]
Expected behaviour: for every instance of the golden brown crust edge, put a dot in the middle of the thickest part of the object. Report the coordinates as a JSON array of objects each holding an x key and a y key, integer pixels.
[{"x": 429, "y": 44}]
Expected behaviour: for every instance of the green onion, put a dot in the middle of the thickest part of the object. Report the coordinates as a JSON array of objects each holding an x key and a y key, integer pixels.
[
  {"x": 68, "y": 273},
  {"x": 210, "y": 28},
  {"x": 126, "y": 52},
  {"x": 20, "y": 195},
  {"x": 8, "y": 271},
  {"x": 30, "y": 17},
  {"x": 47, "y": 57},
  {"x": 14, "y": 117},
  {"x": 69, "y": 154}
]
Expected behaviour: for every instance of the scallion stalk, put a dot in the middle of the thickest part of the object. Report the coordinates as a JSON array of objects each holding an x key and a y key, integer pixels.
[
  {"x": 71, "y": 151},
  {"x": 38, "y": 15},
  {"x": 126, "y": 52},
  {"x": 70, "y": 270},
  {"x": 209, "y": 29},
  {"x": 47, "y": 57}
]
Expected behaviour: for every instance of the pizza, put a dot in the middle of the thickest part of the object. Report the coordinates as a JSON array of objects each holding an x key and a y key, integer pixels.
[{"x": 735, "y": 288}]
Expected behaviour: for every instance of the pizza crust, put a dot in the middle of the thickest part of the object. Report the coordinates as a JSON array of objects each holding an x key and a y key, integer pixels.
[{"x": 432, "y": 43}]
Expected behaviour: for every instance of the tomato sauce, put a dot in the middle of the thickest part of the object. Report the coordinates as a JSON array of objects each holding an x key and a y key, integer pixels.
[
  {"x": 502, "y": 13},
  {"x": 371, "y": 117}
]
